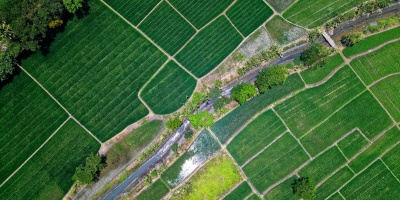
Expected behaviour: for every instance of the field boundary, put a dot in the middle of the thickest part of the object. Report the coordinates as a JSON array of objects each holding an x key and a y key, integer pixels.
[
  {"x": 237, "y": 30},
  {"x": 373, "y": 49},
  {"x": 382, "y": 79},
  {"x": 176, "y": 10},
  {"x": 155, "y": 7},
  {"x": 389, "y": 169}
]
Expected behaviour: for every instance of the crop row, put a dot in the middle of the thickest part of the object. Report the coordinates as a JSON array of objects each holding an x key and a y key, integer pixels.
[{"x": 387, "y": 91}]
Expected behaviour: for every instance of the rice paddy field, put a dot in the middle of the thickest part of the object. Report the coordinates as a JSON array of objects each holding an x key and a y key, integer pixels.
[
  {"x": 318, "y": 73},
  {"x": 240, "y": 192}
]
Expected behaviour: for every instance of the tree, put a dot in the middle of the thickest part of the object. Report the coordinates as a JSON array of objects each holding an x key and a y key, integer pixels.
[
  {"x": 85, "y": 174},
  {"x": 351, "y": 39},
  {"x": 304, "y": 187},
  {"x": 173, "y": 123},
  {"x": 6, "y": 65},
  {"x": 202, "y": 119},
  {"x": 313, "y": 54},
  {"x": 73, "y": 5},
  {"x": 243, "y": 91},
  {"x": 270, "y": 77}
]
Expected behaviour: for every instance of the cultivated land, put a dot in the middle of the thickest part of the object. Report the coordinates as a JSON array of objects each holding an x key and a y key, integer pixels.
[
  {"x": 133, "y": 10},
  {"x": 156, "y": 191},
  {"x": 387, "y": 91},
  {"x": 318, "y": 73},
  {"x": 282, "y": 32},
  {"x": 280, "y": 5},
  {"x": 241, "y": 192}
]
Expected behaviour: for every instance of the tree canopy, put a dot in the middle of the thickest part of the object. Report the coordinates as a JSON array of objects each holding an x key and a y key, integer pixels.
[
  {"x": 6, "y": 65},
  {"x": 304, "y": 187},
  {"x": 270, "y": 77},
  {"x": 86, "y": 174},
  {"x": 202, "y": 119},
  {"x": 313, "y": 54},
  {"x": 73, "y": 5},
  {"x": 243, "y": 91}
]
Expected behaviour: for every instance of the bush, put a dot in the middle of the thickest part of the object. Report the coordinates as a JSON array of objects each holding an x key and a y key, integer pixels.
[
  {"x": 270, "y": 77},
  {"x": 85, "y": 174},
  {"x": 174, "y": 123},
  {"x": 188, "y": 135},
  {"x": 313, "y": 54},
  {"x": 202, "y": 119},
  {"x": 304, "y": 188},
  {"x": 221, "y": 102},
  {"x": 351, "y": 39},
  {"x": 6, "y": 65},
  {"x": 214, "y": 93},
  {"x": 174, "y": 147},
  {"x": 153, "y": 173},
  {"x": 243, "y": 91}
]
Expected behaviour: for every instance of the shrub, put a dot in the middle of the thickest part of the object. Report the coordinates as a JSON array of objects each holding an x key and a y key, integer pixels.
[
  {"x": 174, "y": 147},
  {"x": 85, "y": 174},
  {"x": 214, "y": 93},
  {"x": 6, "y": 65},
  {"x": 243, "y": 91},
  {"x": 304, "y": 187},
  {"x": 174, "y": 123},
  {"x": 221, "y": 102},
  {"x": 351, "y": 39},
  {"x": 313, "y": 54},
  {"x": 270, "y": 77},
  {"x": 202, "y": 119}
]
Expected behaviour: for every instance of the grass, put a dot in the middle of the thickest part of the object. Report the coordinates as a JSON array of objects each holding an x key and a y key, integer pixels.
[
  {"x": 240, "y": 192},
  {"x": 48, "y": 174},
  {"x": 311, "y": 13},
  {"x": 318, "y": 73},
  {"x": 214, "y": 179},
  {"x": 386, "y": 141},
  {"x": 392, "y": 160},
  {"x": 172, "y": 85},
  {"x": 282, "y": 191},
  {"x": 202, "y": 148},
  {"x": 28, "y": 116},
  {"x": 156, "y": 191},
  {"x": 276, "y": 162},
  {"x": 283, "y": 32},
  {"x": 95, "y": 68},
  {"x": 199, "y": 13},
  {"x": 226, "y": 126},
  {"x": 247, "y": 16},
  {"x": 134, "y": 142},
  {"x": 310, "y": 107},
  {"x": 209, "y": 47},
  {"x": 280, "y": 5},
  {"x": 352, "y": 144},
  {"x": 133, "y": 10},
  {"x": 387, "y": 91},
  {"x": 372, "y": 41},
  {"x": 167, "y": 28},
  {"x": 363, "y": 112},
  {"x": 323, "y": 165},
  {"x": 255, "y": 136},
  {"x": 333, "y": 183},
  {"x": 378, "y": 64},
  {"x": 382, "y": 185}
]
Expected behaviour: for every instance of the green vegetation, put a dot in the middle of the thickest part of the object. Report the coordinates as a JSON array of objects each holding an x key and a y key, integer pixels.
[
  {"x": 264, "y": 56},
  {"x": 247, "y": 16},
  {"x": 47, "y": 175},
  {"x": 213, "y": 179},
  {"x": 387, "y": 91},
  {"x": 310, "y": 107},
  {"x": 378, "y": 64},
  {"x": 156, "y": 191},
  {"x": 88, "y": 173},
  {"x": 386, "y": 141},
  {"x": 209, "y": 47},
  {"x": 73, "y": 5},
  {"x": 254, "y": 197},
  {"x": 226, "y": 126},
  {"x": 98, "y": 85},
  {"x": 371, "y": 42},
  {"x": 304, "y": 187},
  {"x": 382, "y": 24},
  {"x": 280, "y": 5},
  {"x": 314, "y": 55},
  {"x": 352, "y": 144},
  {"x": 276, "y": 162},
  {"x": 334, "y": 182},
  {"x": 282, "y": 191},
  {"x": 239, "y": 193},
  {"x": 167, "y": 28},
  {"x": 6, "y": 65},
  {"x": 383, "y": 184},
  {"x": 319, "y": 72},
  {"x": 312, "y": 13},
  {"x": 255, "y": 136},
  {"x": 270, "y": 77},
  {"x": 392, "y": 160},
  {"x": 133, "y": 10},
  {"x": 202, "y": 119},
  {"x": 351, "y": 39},
  {"x": 283, "y": 32},
  {"x": 199, "y": 13},
  {"x": 169, "y": 89},
  {"x": 243, "y": 91},
  {"x": 28, "y": 116},
  {"x": 173, "y": 123}
]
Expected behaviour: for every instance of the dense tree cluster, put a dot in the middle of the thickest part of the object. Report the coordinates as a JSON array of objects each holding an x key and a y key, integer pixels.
[
  {"x": 85, "y": 174},
  {"x": 313, "y": 54},
  {"x": 351, "y": 39},
  {"x": 174, "y": 123},
  {"x": 270, "y": 77},
  {"x": 243, "y": 91},
  {"x": 304, "y": 187}
]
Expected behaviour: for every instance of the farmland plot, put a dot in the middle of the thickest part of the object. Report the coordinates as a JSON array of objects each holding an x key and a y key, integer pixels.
[
  {"x": 283, "y": 32},
  {"x": 209, "y": 47},
  {"x": 247, "y": 16},
  {"x": 156, "y": 191},
  {"x": 313, "y": 13},
  {"x": 312, "y": 106},
  {"x": 318, "y": 73},
  {"x": 99, "y": 84},
  {"x": 333, "y": 183},
  {"x": 28, "y": 116},
  {"x": 280, "y": 5},
  {"x": 167, "y": 28},
  {"x": 378, "y": 64},
  {"x": 352, "y": 144},
  {"x": 255, "y": 136},
  {"x": 276, "y": 162},
  {"x": 239, "y": 193},
  {"x": 200, "y": 12},
  {"x": 133, "y": 10},
  {"x": 169, "y": 89},
  {"x": 387, "y": 91},
  {"x": 282, "y": 191},
  {"x": 47, "y": 175},
  {"x": 392, "y": 160}
]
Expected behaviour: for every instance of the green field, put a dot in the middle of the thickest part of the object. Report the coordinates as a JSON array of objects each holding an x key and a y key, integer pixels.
[
  {"x": 47, "y": 175},
  {"x": 282, "y": 191},
  {"x": 167, "y": 28},
  {"x": 169, "y": 89},
  {"x": 382, "y": 184},
  {"x": 239, "y": 193},
  {"x": 363, "y": 112},
  {"x": 276, "y": 162},
  {"x": 280, "y": 5},
  {"x": 392, "y": 160},
  {"x": 247, "y": 15},
  {"x": 133, "y": 10},
  {"x": 254, "y": 197},
  {"x": 283, "y": 32},
  {"x": 199, "y": 13},
  {"x": 225, "y": 127},
  {"x": 378, "y": 64},
  {"x": 310, "y": 107},
  {"x": 255, "y": 136},
  {"x": 372, "y": 41},
  {"x": 156, "y": 191},
  {"x": 318, "y": 73},
  {"x": 209, "y": 47},
  {"x": 95, "y": 68},
  {"x": 28, "y": 116},
  {"x": 311, "y": 13},
  {"x": 352, "y": 144},
  {"x": 387, "y": 92},
  {"x": 333, "y": 183}
]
